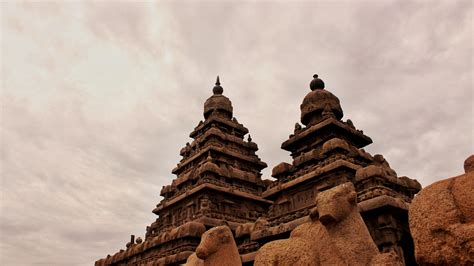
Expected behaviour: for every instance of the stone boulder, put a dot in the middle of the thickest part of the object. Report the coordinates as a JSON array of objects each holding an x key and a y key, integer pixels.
[{"x": 442, "y": 220}]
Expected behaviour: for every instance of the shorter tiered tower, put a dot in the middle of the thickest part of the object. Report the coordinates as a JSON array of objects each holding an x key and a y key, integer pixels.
[{"x": 326, "y": 152}]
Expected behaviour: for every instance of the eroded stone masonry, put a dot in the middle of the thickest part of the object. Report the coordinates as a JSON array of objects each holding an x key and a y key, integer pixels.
[{"x": 219, "y": 181}]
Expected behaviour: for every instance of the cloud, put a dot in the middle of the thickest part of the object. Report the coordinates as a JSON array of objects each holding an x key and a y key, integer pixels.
[{"x": 98, "y": 99}]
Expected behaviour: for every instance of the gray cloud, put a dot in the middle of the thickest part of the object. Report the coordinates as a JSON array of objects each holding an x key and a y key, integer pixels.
[{"x": 98, "y": 99}]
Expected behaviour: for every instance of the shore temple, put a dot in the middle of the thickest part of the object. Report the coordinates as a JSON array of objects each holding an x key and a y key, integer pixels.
[{"x": 219, "y": 181}]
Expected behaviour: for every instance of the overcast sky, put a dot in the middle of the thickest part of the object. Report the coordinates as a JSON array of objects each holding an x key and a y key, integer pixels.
[{"x": 98, "y": 98}]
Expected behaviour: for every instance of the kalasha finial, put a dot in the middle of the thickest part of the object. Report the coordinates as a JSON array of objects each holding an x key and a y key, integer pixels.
[
  {"x": 218, "y": 89},
  {"x": 316, "y": 83}
]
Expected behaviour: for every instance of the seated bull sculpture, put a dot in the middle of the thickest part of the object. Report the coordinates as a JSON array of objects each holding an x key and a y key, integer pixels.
[
  {"x": 217, "y": 247},
  {"x": 337, "y": 235}
]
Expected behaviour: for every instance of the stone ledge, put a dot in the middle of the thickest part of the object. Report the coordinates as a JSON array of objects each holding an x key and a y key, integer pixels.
[
  {"x": 236, "y": 192},
  {"x": 313, "y": 174},
  {"x": 382, "y": 201}
]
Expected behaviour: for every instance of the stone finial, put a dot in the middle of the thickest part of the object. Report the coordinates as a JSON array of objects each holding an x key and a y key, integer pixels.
[
  {"x": 218, "y": 89},
  {"x": 249, "y": 138},
  {"x": 218, "y": 104},
  {"x": 132, "y": 241},
  {"x": 297, "y": 127},
  {"x": 316, "y": 83},
  {"x": 350, "y": 123}
]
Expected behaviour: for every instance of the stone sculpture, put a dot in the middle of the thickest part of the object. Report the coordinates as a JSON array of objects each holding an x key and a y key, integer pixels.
[
  {"x": 217, "y": 247},
  {"x": 442, "y": 220},
  {"x": 193, "y": 260},
  {"x": 336, "y": 236}
]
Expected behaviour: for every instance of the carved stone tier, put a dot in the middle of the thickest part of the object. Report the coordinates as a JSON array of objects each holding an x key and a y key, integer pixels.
[
  {"x": 218, "y": 180},
  {"x": 219, "y": 176},
  {"x": 229, "y": 125},
  {"x": 224, "y": 154},
  {"x": 323, "y": 131}
]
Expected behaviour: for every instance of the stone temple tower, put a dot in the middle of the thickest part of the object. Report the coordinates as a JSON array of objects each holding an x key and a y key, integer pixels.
[
  {"x": 326, "y": 152},
  {"x": 218, "y": 181}
]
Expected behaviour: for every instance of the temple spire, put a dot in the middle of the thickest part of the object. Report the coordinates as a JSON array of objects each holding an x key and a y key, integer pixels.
[{"x": 218, "y": 89}]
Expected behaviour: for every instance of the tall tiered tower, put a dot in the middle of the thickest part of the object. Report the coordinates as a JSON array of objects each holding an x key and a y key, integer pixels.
[
  {"x": 218, "y": 181},
  {"x": 326, "y": 152},
  {"x": 219, "y": 175}
]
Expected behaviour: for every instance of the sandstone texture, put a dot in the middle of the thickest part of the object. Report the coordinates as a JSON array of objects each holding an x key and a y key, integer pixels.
[
  {"x": 442, "y": 220},
  {"x": 217, "y": 247}
]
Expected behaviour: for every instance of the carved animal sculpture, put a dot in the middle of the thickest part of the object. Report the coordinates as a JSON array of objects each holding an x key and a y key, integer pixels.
[
  {"x": 217, "y": 247},
  {"x": 293, "y": 251},
  {"x": 336, "y": 236},
  {"x": 193, "y": 260},
  {"x": 441, "y": 220}
]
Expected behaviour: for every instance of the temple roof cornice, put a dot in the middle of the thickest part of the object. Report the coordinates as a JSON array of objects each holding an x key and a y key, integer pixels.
[
  {"x": 223, "y": 150},
  {"x": 165, "y": 204},
  {"x": 237, "y": 126},
  {"x": 358, "y": 138},
  {"x": 311, "y": 175}
]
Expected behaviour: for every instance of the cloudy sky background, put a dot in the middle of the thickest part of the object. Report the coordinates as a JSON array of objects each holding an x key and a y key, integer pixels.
[{"x": 98, "y": 98}]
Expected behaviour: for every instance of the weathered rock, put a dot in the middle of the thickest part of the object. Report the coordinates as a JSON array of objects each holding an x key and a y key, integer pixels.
[
  {"x": 294, "y": 251},
  {"x": 469, "y": 164},
  {"x": 442, "y": 220},
  {"x": 387, "y": 259},
  {"x": 217, "y": 247}
]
